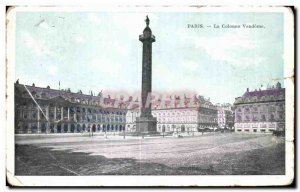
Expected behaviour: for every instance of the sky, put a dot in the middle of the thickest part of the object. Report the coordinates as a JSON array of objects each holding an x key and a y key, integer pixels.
[{"x": 101, "y": 51}]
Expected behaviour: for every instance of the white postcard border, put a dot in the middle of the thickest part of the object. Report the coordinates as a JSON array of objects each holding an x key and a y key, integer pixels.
[{"x": 201, "y": 180}]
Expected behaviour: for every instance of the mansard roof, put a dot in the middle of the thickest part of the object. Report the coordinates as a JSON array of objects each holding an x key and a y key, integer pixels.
[
  {"x": 51, "y": 93},
  {"x": 172, "y": 101},
  {"x": 62, "y": 95},
  {"x": 268, "y": 95},
  {"x": 269, "y": 92}
]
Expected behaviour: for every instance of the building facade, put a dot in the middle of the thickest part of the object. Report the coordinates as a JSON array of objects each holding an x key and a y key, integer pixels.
[
  {"x": 41, "y": 110},
  {"x": 261, "y": 111},
  {"x": 45, "y": 111},
  {"x": 225, "y": 116},
  {"x": 193, "y": 115}
]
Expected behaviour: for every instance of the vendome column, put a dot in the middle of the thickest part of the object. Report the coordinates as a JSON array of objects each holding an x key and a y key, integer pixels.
[{"x": 146, "y": 123}]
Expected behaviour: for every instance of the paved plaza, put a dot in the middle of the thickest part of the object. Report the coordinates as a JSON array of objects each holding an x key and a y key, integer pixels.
[{"x": 208, "y": 154}]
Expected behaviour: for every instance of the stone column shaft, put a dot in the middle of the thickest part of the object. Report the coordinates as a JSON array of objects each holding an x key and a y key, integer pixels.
[{"x": 146, "y": 78}]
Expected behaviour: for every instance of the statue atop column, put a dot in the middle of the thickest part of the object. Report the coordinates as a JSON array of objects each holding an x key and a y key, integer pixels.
[{"x": 147, "y": 21}]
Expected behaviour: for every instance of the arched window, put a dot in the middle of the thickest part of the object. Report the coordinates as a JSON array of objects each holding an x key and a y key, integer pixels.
[
  {"x": 78, "y": 128},
  {"x": 163, "y": 128}
]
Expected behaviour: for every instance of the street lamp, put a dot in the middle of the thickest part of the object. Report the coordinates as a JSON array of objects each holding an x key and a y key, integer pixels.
[
  {"x": 122, "y": 118},
  {"x": 132, "y": 118},
  {"x": 89, "y": 120},
  {"x": 106, "y": 126}
]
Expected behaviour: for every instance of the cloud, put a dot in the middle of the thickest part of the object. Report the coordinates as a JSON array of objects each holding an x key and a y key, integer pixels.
[
  {"x": 107, "y": 67},
  {"x": 38, "y": 47},
  {"x": 190, "y": 65},
  {"x": 52, "y": 70},
  {"x": 238, "y": 49},
  {"x": 120, "y": 48},
  {"x": 29, "y": 80},
  {"x": 46, "y": 27},
  {"x": 92, "y": 17},
  {"x": 178, "y": 80},
  {"x": 133, "y": 23},
  {"x": 79, "y": 39}
]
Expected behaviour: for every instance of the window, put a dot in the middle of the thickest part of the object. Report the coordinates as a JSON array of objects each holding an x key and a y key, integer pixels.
[
  {"x": 281, "y": 107},
  {"x": 43, "y": 95},
  {"x": 281, "y": 116},
  {"x": 239, "y": 118},
  {"x": 272, "y": 117},
  {"x": 263, "y": 108},
  {"x": 25, "y": 115},
  {"x": 34, "y": 115},
  {"x": 254, "y": 118},
  {"x": 247, "y": 118},
  {"x": 272, "y": 108}
]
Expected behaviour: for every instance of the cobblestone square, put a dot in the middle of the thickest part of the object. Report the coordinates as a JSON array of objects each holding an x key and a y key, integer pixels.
[{"x": 209, "y": 154}]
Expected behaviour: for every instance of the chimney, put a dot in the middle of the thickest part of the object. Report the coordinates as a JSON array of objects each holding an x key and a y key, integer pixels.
[
  {"x": 247, "y": 89},
  {"x": 278, "y": 85}
]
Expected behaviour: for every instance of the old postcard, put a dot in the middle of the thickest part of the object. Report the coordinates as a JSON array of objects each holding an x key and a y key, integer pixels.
[{"x": 150, "y": 96}]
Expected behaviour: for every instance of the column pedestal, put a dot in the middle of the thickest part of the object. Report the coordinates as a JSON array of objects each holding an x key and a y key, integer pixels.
[{"x": 146, "y": 125}]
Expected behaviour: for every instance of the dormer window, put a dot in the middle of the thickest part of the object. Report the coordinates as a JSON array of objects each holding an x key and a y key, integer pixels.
[
  {"x": 43, "y": 95},
  {"x": 25, "y": 93},
  {"x": 33, "y": 93}
]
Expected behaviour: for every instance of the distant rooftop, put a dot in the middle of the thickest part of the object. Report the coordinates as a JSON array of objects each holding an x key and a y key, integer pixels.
[
  {"x": 173, "y": 101},
  {"x": 270, "y": 94}
]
